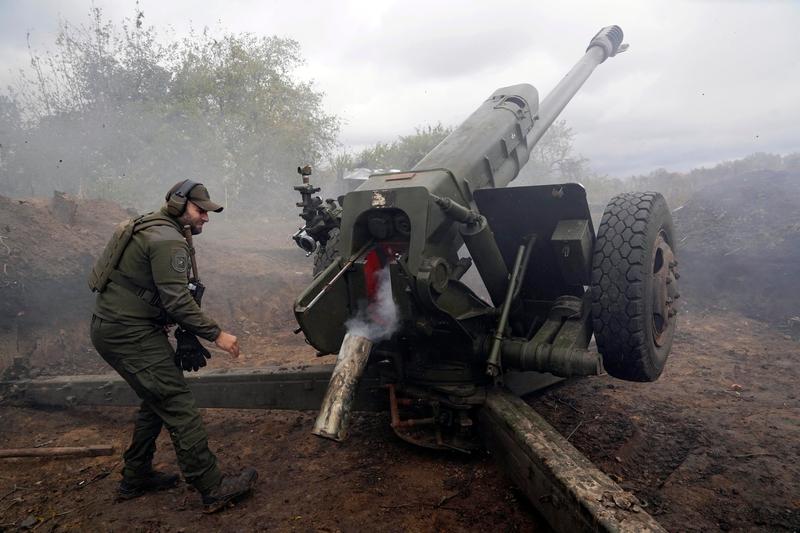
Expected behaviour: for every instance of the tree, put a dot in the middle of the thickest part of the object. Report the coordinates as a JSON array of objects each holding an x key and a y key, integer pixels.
[
  {"x": 257, "y": 121},
  {"x": 95, "y": 66},
  {"x": 553, "y": 159},
  {"x": 91, "y": 108},
  {"x": 122, "y": 111},
  {"x": 403, "y": 153}
]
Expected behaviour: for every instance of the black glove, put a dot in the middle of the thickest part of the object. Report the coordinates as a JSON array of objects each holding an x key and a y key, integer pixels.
[{"x": 190, "y": 355}]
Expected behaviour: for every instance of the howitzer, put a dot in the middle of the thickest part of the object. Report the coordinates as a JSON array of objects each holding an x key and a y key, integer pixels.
[
  {"x": 391, "y": 265},
  {"x": 552, "y": 281}
]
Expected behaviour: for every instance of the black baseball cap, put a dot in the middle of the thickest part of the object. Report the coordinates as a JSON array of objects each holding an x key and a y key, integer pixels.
[{"x": 199, "y": 196}]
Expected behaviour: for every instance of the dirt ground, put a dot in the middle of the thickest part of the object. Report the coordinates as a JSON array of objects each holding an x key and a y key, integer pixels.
[
  {"x": 713, "y": 445},
  {"x": 371, "y": 482}
]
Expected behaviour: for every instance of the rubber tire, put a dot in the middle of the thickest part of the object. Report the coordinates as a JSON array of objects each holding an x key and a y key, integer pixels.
[
  {"x": 327, "y": 254},
  {"x": 622, "y": 286}
]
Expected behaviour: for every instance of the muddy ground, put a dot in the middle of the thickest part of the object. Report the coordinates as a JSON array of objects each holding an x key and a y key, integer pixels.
[{"x": 713, "y": 445}]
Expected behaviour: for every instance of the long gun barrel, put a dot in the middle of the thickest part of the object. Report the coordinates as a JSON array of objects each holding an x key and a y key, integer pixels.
[
  {"x": 607, "y": 43},
  {"x": 511, "y": 122}
]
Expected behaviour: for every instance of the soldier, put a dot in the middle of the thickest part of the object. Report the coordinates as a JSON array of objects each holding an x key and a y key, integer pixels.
[{"x": 142, "y": 284}]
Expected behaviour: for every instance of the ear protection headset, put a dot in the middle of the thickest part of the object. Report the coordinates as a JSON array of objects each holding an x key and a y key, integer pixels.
[{"x": 176, "y": 202}]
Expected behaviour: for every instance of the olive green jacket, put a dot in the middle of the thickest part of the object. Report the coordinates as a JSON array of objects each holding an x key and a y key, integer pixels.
[{"x": 157, "y": 259}]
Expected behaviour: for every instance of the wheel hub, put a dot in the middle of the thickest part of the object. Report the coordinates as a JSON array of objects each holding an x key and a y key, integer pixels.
[{"x": 665, "y": 290}]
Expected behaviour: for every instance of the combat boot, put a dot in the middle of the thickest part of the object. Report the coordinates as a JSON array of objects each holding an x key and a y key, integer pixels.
[
  {"x": 229, "y": 489},
  {"x": 153, "y": 481}
]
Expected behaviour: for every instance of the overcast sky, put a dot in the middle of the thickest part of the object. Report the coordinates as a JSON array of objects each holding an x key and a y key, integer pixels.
[{"x": 701, "y": 83}]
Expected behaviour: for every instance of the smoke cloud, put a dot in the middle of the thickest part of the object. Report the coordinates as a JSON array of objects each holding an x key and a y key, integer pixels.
[{"x": 380, "y": 318}]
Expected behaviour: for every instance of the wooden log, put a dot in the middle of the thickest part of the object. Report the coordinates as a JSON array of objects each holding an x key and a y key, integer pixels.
[
  {"x": 65, "y": 451},
  {"x": 564, "y": 486}
]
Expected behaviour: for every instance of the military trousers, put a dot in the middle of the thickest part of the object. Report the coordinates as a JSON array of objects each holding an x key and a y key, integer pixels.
[{"x": 143, "y": 356}]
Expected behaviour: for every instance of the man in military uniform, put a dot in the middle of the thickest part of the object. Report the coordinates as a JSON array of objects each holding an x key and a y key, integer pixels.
[{"x": 147, "y": 290}]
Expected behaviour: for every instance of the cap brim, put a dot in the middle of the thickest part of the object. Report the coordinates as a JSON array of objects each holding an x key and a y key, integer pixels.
[{"x": 208, "y": 205}]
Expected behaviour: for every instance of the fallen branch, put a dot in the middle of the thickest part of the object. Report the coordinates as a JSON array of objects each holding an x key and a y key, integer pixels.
[
  {"x": 403, "y": 506},
  {"x": 68, "y": 451},
  {"x": 412, "y": 505},
  {"x": 9, "y": 493},
  {"x": 14, "y": 502},
  {"x": 97, "y": 477},
  {"x": 53, "y": 516},
  {"x": 757, "y": 454},
  {"x": 571, "y": 433},
  {"x": 568, "y": 404},
  {"x": 84, "y": 506},
  {"x": 101, "y": 475}
]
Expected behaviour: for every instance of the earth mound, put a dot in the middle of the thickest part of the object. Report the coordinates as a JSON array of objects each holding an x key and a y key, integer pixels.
[
  {"x": 47, "y": 247},
  {"x": 739, "y": 245}
]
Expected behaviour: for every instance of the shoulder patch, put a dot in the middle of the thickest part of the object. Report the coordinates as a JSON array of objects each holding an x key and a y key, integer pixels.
[{"x": 180, "y": 259}]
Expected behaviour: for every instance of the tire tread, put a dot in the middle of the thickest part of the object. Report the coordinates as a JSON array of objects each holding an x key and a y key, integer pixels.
[{"x": 619, "y": 265}]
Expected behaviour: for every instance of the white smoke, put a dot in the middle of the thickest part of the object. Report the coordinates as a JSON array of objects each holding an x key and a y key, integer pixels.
[{"x": 380, "y": 319}]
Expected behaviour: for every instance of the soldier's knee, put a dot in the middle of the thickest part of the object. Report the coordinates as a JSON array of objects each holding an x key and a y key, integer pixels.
[
  {"x": 189, "y": 435},
  {"x": 165, "y": 385}
]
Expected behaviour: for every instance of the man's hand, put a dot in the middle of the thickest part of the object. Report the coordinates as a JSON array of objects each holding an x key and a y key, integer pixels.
[{"x": 229, "y": 343}]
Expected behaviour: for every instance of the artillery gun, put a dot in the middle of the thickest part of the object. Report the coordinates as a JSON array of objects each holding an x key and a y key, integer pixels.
[
  {"x": 551, "y": 281},
  {"x": 389, "y": 296}
]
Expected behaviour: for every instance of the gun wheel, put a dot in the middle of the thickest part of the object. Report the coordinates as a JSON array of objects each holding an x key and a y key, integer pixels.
[{"x": 634, "y": 286}]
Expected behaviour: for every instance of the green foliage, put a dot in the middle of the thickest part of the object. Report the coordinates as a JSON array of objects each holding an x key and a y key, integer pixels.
[
  {"x": 259, "y": 123},
  {"x": 124, "y": 112},
  {"x": 94, "y": 66},
  {"x": 90, "y": 110},
  {"x": 403, "y": 153},
  {"x": 552, "y": 159}
]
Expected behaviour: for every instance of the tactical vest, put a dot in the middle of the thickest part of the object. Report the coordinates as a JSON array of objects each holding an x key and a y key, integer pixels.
[{"x": 105, "y": 268}]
